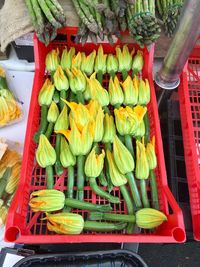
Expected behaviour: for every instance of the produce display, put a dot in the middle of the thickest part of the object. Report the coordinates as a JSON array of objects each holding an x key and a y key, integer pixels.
[
  {"x": 47, "y": 16},
  {"x": 169, "y": 11},
  {"x": 10, "y": 110},
  {"x": 100, "y": 133},
  {"x": 10, "y": 166},
  {"x": 108, "y": 18}
]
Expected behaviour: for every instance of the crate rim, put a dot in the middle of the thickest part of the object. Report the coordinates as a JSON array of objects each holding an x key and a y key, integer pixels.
[{"x": 176, "y": 234}]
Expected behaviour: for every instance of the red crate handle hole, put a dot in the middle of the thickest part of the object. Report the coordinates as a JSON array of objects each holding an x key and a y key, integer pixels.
[
  {"x": 12, "y": 234},
  {"x": 179, "y": 234}
]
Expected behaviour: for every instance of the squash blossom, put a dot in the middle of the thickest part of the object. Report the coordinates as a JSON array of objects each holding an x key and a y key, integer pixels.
[
  {"x": 87, "y": 65},
  {"x": 47, "y": 200},
  {"x": 139, "y": 111},
  {"x": 112, "y": 64},
  {"x": 77, "y": 80},
  {"x": 124, "y": 58},
  {"x": 9, "y": 110},
  {"x": 100, "y": 61},
  {"x": 80, "y": 141},
  {"x": 151, "y": 155},
  {"x": 142, "y": 165},
  {"x": 45, "y": 153},
  {"x": 140, "y": 130},
  {"x": 130, "y": 92},
  {"x": 125, "y": 119},
  {"x": 65, "y": 223},
  {"x": 52, "y": 60},
  {"x": 122, "y": 157},
  {"x": 3, "y": 214},
  {"x": 138, "y": 62},
  {"x": 46, "y": 93},
  {"x": 109, "y": 129},
  {"x": 60, "y": 80},
  {"x": 66, "y": 59},
  {"x": 94, "y": 163},
  {"x": 97, "y": 115},
  {"x": 116, "y": 176},
  {"x": 144, "y": 92},
  {"x": 13, "y": 180},
  {"x": 79, "y": 113},
  {"x": 136, "y": 82},
  {"x": 87, "y": 92},
  {"x": 115, "y": 92},
  {"x": 148, "y": 218},
  {"x": 4, "y": 115},
  {"x": 53, "y": 112},
  {"x": 66, "y": 157},
  {"x": 97, "y": 92},
  {"x": 76, "y": 60},
  {"x": 62, "y": 122}
]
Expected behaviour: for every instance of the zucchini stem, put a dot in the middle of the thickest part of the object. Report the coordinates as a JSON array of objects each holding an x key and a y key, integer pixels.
[
  {"x": 83, "y": 205},
  {"x": 43, "y": 123},
  {"x": 144, "y": 193},
  {"x": 97, "y": 216},
  {"x": 58, "y": 165},
  {"x": 80, "y": 177},
  {"x": 63, "y": 95},
  {"x": 49, "y": 130},
  {"x": 100, "y": 76},
  {"x": 70, "y": 182},
  {"x": 103, "y": 226},
  {"x": 134, "y": 190},
  {"x": 80, "y": 97},
  {"x": 49, "y": 177},
  {"x": 98, "y": 191},
  {"x": 154, "y": 190},
  {"x": 124, "y": 74},
  {"x": 129, "y": 206},
  {"x": 129, "y": 144}
]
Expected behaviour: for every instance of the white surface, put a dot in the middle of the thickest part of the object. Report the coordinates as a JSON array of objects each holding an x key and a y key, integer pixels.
[
  {"x": 13, "y": 63},
  {"x": 11, "y": 259},
  {"x": 21, "y": 84}
]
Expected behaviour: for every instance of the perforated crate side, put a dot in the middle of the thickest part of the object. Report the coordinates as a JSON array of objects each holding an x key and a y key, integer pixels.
[{"x": 189, "y": 92}]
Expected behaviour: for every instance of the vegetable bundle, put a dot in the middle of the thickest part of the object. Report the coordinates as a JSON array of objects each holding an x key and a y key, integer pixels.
[
  {"x": 102, "y": 136},
  {"x": 47, "y": 16},
  {"x": 142, "y": 22},
  {"x": 9, "y": 108},
  {"x": 10, "y": 166},
  {"x": 169, "y": 11},
  {"x": 108, "y": 18}
]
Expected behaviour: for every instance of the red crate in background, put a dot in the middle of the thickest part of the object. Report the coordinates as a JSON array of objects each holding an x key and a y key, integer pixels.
[
  {"x": 189, "y": 93},
  {"x": 24, "y": 226}
]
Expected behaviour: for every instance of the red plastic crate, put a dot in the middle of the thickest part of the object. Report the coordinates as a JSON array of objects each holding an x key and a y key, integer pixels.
[
  {"x": 189, "y": 93},
  {"x": 24, "y": 226}
]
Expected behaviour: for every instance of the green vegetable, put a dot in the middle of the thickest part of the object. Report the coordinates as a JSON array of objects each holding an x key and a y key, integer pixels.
[
  {"x": 115, "y": 217},
  {"x": 43, "y": 123},
  {"x": 48, "y": 14},
  {"x": 80, "y": 177},
  {"x": 83, "y": 205},
  {"x": 129, "y": 206},
  {"x": 4, "y": 180},
  {"x": 103, "y": 227},
  {"x": 100, "y": 192}
]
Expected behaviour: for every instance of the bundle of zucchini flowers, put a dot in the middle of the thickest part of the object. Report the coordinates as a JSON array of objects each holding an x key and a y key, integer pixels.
[
  {"x": 47, "y": 16},
  {"x": 10, "y": 110},
  {"x": 102, "y": 136},
  {"x": 10, "y": 166},
  {"x": 169, "y": 11}
]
